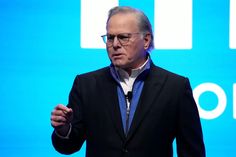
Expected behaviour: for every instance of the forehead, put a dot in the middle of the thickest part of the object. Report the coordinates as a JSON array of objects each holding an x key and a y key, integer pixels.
[{"x": 123, "y": 22}]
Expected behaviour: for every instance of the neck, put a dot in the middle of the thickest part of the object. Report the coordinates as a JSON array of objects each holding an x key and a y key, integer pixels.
[{"x": 129, "y": 70}]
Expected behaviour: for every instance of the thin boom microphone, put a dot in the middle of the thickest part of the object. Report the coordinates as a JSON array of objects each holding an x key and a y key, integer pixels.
[{"x": 129, "y": 95}]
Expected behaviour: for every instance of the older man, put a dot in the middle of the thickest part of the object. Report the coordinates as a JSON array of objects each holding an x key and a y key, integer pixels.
[{"x": 132, "y": 107}]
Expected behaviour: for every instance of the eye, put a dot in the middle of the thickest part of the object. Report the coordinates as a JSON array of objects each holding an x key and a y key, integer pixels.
[
  {"x": 123, "y": 36},
  {"x": 110, "y": 37}
]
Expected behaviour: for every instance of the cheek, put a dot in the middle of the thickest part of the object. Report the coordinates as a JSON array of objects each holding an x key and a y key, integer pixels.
[
  {"x": 109, "y": 52},
  {"x": 135, "y": 51}
]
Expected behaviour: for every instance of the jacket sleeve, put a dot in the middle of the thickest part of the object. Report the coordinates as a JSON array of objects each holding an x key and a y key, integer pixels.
[
  {"x": 77, "y": 135},
  {"x": 189, "y": 137}
]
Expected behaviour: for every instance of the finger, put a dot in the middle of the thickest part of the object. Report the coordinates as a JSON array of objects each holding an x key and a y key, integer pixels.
[
  {"x": 63, "y": 108},
  {"x": 69, "y": 112},
  {"x": 66, "y": 113},
  {"x": 57, "y": 124},
  {"x": 56, "y": 112},
  {"x": 58, "y": 119}
]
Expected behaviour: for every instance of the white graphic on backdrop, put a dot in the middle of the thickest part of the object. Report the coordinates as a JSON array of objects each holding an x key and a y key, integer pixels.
[
  {"x": 173, "y": 24},
  {"x": 221, "y": 96},
  {"x": 93, "y": 22}
]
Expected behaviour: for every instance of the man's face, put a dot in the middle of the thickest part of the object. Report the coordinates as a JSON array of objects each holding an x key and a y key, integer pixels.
[{"x": 131, "y": 52}]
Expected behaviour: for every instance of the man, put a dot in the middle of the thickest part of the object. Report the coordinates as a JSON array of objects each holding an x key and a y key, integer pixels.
[{"x": 131, "y": 108}]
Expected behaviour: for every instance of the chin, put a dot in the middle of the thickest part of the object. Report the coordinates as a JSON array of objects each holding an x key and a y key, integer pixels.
[
  {"x": 118, "y": 65},
  {"x": 121, "y": 63}
]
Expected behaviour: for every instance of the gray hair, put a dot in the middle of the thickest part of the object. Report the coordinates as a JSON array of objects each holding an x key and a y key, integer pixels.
[{"x": 144, "y": 23}]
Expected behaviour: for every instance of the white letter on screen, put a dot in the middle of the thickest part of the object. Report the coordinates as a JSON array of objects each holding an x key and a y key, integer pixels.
[
  {"x": 200, "y": 89},
  {"x": 173, "y": 24},
  {"x": 94, "y": 14},
  {"x": 232, "y": 23},
  {"x": 234, "y": 101}
]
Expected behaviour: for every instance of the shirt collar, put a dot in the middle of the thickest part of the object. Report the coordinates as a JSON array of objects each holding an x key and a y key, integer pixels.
[
  {"x": 118, "y": 73},
  {"x": 134, "y": 72}
]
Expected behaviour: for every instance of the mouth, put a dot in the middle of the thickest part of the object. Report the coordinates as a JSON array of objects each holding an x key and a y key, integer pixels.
[{"x": 117, "y": 55}]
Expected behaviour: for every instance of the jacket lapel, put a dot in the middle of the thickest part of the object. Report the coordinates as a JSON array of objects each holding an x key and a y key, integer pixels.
[
  {"x": 153, "y": 82},
  {"x": 109, "y": 92}
]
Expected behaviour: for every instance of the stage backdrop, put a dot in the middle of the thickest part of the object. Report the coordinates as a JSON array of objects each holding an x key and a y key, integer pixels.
[{"x": 44, "y": 44}]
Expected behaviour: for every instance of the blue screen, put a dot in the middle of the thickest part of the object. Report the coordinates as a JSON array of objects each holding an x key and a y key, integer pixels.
[{"x": 41, "y": 52}]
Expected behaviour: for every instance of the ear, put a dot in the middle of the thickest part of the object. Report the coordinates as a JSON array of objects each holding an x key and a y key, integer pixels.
[{"x": 147, "y": 40}]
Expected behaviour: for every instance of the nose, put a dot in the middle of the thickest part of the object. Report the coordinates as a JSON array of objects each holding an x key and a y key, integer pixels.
[{"x": 116, "y": 42}]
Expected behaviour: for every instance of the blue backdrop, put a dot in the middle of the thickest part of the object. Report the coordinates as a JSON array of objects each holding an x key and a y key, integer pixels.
[{"x": 41, "y": 53}]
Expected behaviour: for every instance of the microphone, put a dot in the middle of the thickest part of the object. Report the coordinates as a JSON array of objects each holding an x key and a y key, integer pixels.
[{"x": 129, "y": 95}]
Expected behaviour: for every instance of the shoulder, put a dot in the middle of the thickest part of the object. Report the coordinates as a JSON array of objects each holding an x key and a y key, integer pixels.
[
  {"x": 172, "y": 82},
  {"x": 169, "y": 79},
  {"x": 94, "y": 74},
  {"x": 91, "y": 79},
  {"x": 161, "y": 72}
]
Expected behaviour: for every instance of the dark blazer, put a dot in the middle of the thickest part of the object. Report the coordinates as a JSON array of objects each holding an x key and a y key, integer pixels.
[{"x": 166, "y": 110}]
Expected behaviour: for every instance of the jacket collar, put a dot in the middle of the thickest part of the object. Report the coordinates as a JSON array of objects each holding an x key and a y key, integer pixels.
[{"x": 153, "y": 83}]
